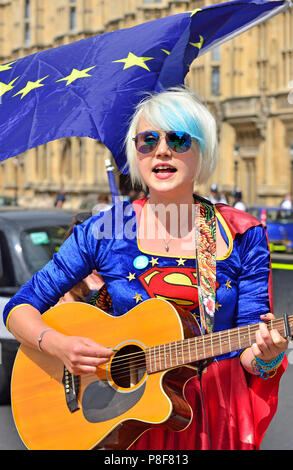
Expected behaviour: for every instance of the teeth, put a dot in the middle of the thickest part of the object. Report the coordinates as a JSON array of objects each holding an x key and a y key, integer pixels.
[{"x": 163, "y": 167}]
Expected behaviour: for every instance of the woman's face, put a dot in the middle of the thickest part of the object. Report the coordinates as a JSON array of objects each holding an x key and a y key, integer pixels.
[{"x": 165, "y": 171}]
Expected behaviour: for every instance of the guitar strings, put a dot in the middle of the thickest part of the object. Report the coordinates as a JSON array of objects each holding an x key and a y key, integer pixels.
[
  {"x": 124, "y": 368},
  {"x": 216, "y": 338},
  {"x": 139, "y": 357},
  {"x": 199, "y": 339},
  {"x": 139, "y": 361}
]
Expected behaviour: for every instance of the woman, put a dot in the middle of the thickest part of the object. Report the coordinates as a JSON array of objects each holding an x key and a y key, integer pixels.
[{"x": 148, "y": 250}]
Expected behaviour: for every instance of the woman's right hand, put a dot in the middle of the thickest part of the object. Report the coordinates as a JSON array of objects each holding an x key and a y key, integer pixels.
[{"x": 80, "y": 355}]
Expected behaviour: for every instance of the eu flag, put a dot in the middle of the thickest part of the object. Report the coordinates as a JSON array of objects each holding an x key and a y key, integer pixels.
[{"x": 89, "y": 88}]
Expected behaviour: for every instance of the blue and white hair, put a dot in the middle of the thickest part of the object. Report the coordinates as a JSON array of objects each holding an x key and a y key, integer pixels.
[{"x": 176, "y": 109}]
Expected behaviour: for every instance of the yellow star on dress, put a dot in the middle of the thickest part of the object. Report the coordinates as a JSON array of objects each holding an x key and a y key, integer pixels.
[
  {"x": 31, "y": 86},
  {"x": 131, "y": 276},
  {"x": 76, "y": 74},
  {"x": 180, "y": 262},
  {"x": 131, "y": 60},
  {"x": 154, "y": 261},
  {"x": 217, "y": 306},
  {"x": 5, "y": 87},
  {"x": 137, "y": 298},
  {"x": 228, "y": 285}
]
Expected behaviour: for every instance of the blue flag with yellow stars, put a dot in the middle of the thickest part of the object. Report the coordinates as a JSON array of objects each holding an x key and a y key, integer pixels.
[{"x": 90, "y": 88}]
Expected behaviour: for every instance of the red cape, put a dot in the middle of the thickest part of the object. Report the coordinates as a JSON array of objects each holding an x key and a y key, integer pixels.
[{"x": 263, "y": 393}]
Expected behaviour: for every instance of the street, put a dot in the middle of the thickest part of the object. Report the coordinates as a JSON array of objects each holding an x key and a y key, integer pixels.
[{"x": 9, "y": 439}]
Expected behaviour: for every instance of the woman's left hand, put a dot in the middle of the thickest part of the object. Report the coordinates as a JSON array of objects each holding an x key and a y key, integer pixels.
[{"x": 269, "y": 344}]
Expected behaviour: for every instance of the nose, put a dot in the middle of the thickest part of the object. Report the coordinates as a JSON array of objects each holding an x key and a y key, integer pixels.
[{"x": 163, "y": 148}]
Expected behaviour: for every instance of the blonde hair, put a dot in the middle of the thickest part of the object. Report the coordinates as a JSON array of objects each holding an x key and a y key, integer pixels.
[{"x": 176, "y": 109}]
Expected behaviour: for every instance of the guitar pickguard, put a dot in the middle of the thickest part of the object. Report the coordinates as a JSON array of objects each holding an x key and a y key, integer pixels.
[{"x": 101, "y": 402}]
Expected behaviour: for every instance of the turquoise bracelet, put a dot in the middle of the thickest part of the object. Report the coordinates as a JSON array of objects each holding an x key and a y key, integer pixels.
[
  {"x": 270, "y": 365},
  {"x": 263, "y": 368}
]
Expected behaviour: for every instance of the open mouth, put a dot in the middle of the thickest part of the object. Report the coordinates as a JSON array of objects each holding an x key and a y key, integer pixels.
[{"x": 164, "y": 169}]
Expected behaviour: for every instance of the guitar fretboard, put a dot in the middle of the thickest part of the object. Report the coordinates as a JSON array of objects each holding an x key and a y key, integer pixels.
[{"x": 186, "y": 351}]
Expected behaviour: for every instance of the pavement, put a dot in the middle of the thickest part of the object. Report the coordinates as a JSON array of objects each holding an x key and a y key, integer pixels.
[
  {"x": 9, "y": 438},
  {"x": 279, "y": 436}
]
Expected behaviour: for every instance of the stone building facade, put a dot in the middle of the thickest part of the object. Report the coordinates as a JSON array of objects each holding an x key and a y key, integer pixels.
[{"x": 246, "y": 82}]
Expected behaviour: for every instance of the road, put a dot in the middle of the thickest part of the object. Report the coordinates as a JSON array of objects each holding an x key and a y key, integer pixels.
[{"x": 9, "y": 439}]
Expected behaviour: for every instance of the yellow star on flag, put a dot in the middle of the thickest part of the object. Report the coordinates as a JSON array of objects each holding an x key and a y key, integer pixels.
[
  {"x": 30, "y": 86},
  {"x": 5, "y": 87},
  {"x": 166, "y": 52},
  {"x": 137, "y": 298},
  {"x": 131, "y": 60},
  {"x": 6, "y": 66},
  {"x": 76, "y": 74},
  {"x": 195, "y": 11},
  {"x": 197, "y": 44},
  {"x": 130, "y": 277}
]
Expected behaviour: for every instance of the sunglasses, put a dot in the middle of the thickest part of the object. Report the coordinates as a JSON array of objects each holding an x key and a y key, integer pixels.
[{"x": 177, "y": 141}]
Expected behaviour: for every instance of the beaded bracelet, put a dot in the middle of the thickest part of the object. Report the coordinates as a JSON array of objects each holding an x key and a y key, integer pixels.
[{"x": 263, "y": 368}]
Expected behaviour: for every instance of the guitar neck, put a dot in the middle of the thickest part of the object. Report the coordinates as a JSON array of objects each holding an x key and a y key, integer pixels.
[{"x": 186, "y": 351}]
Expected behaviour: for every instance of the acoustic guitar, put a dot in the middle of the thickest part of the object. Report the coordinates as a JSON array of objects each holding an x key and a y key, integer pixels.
[{"x": 158, "y": 348}]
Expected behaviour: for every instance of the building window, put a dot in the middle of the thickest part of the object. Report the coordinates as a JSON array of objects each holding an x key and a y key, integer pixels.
[
  {"x": 72, "y": 16},
  {"x": 27, "y": 33},
  {"x": 215, "y": 81},
  {"x": 66, "y": 161},
  {"x": 216, "y": 54},
  {"x": 27, "y": 9},
  {"x": 27, "y": 18}
]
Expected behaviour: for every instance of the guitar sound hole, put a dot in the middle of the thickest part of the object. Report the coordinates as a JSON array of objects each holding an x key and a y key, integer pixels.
[{"x": 128, "y": 366}]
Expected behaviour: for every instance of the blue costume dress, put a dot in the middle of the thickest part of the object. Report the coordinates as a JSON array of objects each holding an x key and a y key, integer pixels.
[{"x": 108, "y": 243}]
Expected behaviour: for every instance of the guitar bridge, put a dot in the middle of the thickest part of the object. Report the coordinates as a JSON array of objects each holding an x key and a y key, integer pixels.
[{"x": 71, "y": 385}]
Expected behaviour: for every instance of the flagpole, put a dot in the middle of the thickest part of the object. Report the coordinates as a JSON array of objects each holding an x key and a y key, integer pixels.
[{"x": 111, "y": 179}]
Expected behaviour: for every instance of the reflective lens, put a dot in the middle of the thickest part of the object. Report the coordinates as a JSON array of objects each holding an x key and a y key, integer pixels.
[
  {"x": 147, "y": 142},
  {"x": 179, "y": 142}
]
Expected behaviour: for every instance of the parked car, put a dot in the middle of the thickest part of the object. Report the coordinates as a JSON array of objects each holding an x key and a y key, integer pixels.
[
  {"x": 279, "y": 224},
  {"x": 28, "y": 240}
]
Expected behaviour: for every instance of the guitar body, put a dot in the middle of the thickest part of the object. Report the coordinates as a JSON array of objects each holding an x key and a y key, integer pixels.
[{"x": 53, "y": 409}]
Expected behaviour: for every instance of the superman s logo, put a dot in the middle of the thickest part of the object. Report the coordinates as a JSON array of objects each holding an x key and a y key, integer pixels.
[{"x": 175, "y": 284}]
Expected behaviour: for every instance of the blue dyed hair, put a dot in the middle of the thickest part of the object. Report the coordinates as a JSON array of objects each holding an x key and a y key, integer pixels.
[
  {"x": 177, "y": 118},
  {"x": 176, "y": 109}
]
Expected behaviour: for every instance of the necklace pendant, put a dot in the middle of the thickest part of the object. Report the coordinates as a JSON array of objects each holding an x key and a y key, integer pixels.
[{"x": 166, "y": 247}]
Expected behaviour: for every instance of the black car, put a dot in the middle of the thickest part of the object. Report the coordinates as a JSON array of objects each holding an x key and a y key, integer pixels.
[{"x": 28, "y": 240}]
